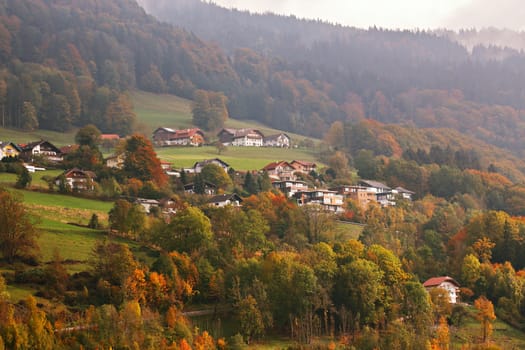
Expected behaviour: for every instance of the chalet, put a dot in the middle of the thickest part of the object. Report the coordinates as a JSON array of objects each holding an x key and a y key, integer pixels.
[
  {"x": 197, "y": 167},
  {"x": 362, "y": 195},
  {"x": 223, "y": 200},
  {"x": 303, "y": 166},
  {"x": 281, "y": 171},
  {"x": 290, "y": 187},
  {"x": 447, "y": 283},
  {"x": 328, "y": 200},
  {"x": 41, "y": 148},
  {"x": 115, "y": 161},
  {"x": 278, "y": 140},
  {"x": 65, "y": 150},
  {"x": 9, "y": 149},
  {"x": 208, "y": 188},
  {"x": 241, "y": 137},
  {"x": 184, "y": 137},
  {"x": 78, "y": 180}
]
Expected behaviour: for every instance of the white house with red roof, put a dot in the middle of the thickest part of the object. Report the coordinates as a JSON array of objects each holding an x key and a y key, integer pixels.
[{"x": 445, "y": 282}]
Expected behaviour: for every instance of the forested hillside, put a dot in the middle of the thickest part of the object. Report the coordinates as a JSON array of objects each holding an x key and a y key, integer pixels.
[
  {"x": 299, "y": 73},
  {"x": 67, "y": 63}
]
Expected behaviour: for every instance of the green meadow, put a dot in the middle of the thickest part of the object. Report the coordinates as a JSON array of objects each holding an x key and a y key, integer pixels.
[{"x": 20, "y": 136}]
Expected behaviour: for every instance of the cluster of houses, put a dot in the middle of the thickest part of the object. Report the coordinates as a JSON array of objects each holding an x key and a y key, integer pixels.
[{"x": 246, "y": 137}]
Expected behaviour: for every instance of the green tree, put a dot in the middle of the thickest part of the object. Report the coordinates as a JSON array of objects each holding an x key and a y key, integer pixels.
[
  {"x": 209, "y": 110},
  {"x": 250, "y": 318},
  {"x": 112, "y": 262},
  {"x": 18, "y": 234},
  {"x": 29, "y": 117},
  {"x": 188, "y": 231},
  {"x": 126, "y": 217},
  {"x": 216, "y": 175},
  {"x": 24, "y": 179},
  {"x": 88, "y": 135}
]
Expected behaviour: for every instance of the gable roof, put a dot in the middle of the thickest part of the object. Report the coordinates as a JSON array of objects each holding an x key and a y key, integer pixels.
[
  {"x": 304, "y": 163},
  {"x": 403, "y": 190},
  {"x": 164, "y": 129},
  {"x": 86, "y": 173},
  {"x": 211, "y": 161},
  {"x": 224, "y": 197},
  {"x": 372, "y": 183},
  {"x": 436, "y": 281},
  {"x": 31, "y": 145},
  {"x": 187, "y": 133},
  {"x": 237, "y": 133},
  {"x": 191, "y": 185},
  {"x": 274, "y": 165},
  {"x": 275, "y": 137},
  {"x": 109, "y": 137},
  {"x": 15, "y": 146}
]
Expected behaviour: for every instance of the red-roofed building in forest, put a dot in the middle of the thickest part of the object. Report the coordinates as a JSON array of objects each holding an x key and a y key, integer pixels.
[{"x": 450, "y": 285}]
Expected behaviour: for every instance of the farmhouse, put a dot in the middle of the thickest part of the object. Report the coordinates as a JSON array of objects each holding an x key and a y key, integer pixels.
[
  {"x": 403, "y": 192},
  {"x": 115, "y": 161},
  {"x": 41, "y": 148},
  {"x": 9, "y": 149},
  {"x": 184, "y": 137},
  {"x": 223, "y": 200},
  {"x": 241, "y": 137},
  {"x": 77, "y": 180},
  {"x": 447, "y": 283},
  {"x": 278, "y": 140}
]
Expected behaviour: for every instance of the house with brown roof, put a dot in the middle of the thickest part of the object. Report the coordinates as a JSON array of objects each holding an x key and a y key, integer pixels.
[
  {"x": 304, "y": 166},
  {"x": 172, "y": 137},
  {"x": 362, "y": 195},
  {"x": 280, "y": 171},
  {"x": 450, "y": 285},
  {"x": 197, "y": 167},
  {"x": 278, "y": 140},
  {"x": 77, "y": 180},
  {"x": 241, "y": 137},
  {"x": 44, "y": 149}
]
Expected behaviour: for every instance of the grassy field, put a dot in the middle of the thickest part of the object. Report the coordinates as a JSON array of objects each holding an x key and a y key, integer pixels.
[
  {"x": 240, "y": 158},
  {"x": 174, "y": 112},
  {"x": 19, "y": 136}
]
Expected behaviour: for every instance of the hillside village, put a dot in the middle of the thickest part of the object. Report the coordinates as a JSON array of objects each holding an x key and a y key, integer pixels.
[{"x": 288, "y": 177}]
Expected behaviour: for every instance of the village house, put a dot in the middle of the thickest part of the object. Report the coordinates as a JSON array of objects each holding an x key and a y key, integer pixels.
[
  {"x": 362, "y": 195},
  {"x": 303, "y": 166},
  {"x": 183, "y": 137},
  {"x": 278, "y": 140},
  {"x": 147, "y": 204},
  {"x": 9, "y": 149},
  {"x": 384, "y": 195},
  {"x": 197, "y": 167},
  {"x": 223, "y": 200},
  {"x": 450, "y": 285},
  {"x": 208, "y": 188},
  {"x": 115, "y": 161},
  {"x": 403, "y": 193},
  {"x": 77, "y": 180},
  {"x": 108, "y": 141},
  {"x": 280, "y": 171},
  {"x": 328, "y": 200},
  {"x": 44, "y": 149},
  {"x": 290, "y": 187},
  {"x": 241, "y": 137}
]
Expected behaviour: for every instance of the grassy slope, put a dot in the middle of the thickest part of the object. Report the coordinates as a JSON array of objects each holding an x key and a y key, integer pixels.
[
  {"x": 19, "y": 136},
  {"x": 171, "y": 111}
]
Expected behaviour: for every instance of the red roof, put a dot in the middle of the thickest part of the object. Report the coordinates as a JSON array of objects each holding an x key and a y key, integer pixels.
[
  {"x": 186, "y": 133},
  {"x": 109, "y": 137},
  {"x": 274, "y": 165},
  {"x": 436, "y": 281}
]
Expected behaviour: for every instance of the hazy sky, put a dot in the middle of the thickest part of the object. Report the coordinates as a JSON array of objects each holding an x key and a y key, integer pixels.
[{"x": 424, "y": 14}]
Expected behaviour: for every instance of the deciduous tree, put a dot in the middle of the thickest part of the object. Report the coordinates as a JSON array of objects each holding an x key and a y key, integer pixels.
[{"x": 18, "y": 233}]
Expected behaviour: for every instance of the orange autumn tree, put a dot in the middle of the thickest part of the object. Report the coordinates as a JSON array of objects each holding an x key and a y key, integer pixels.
[
  {"x": 485, "y": 315},
  {"x": 141, "y": 161}
]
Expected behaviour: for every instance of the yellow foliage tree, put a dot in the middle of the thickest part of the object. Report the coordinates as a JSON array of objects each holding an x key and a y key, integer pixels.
[{"x": 485, "y": 316}]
